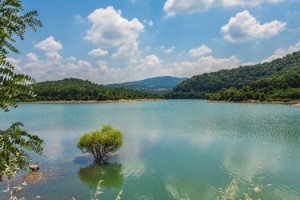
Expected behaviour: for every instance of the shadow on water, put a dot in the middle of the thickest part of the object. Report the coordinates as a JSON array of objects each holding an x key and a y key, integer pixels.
[
  {"x": 111, "y": 174},
  {"x": 83, "y": 160}
]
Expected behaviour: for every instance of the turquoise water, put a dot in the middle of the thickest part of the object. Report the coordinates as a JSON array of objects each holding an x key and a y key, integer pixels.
[{"x": 173, "y": 149}]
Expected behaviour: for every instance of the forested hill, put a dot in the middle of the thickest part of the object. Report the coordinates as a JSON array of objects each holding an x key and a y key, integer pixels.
[
  {"x": 76, "y": 89},
  {"x": 199, "y": 86},
  {"x": 155, "y": 84},
  {"x": 281, "y": 86}
]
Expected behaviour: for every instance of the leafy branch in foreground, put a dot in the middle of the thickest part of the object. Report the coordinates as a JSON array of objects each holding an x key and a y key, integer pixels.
[
  {"x": 13, "y": 23},
  {"x": 13, "y": 143}
]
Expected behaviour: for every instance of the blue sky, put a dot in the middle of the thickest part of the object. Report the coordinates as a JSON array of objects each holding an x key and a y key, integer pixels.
[{"x": 111, "y": 41}]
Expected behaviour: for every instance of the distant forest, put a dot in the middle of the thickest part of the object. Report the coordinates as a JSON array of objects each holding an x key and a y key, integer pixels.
[
  {"x": 276, "y": 80},
  {"x": 76, "y": 89}
]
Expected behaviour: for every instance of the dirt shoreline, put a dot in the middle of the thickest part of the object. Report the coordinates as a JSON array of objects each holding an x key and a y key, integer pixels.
[
  {"x": 89, "y": 101},
  {"x": 293, "y": 103}
]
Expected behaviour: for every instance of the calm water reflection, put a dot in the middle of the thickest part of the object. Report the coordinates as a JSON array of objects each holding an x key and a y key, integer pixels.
[{"x": 174, "y": 149}]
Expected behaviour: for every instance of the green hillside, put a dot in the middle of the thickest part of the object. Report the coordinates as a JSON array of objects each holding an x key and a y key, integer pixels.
[
  {"x": 281, "y": 86},
  {"x": 199, "y": 86},
  {"x": 77, "y": 89},
  {"x": 156, "y": 84}
]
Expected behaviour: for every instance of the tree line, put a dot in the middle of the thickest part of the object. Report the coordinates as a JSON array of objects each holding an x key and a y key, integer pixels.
[
  {"x": 281, "y": 86},
  {"x": 73, "y": 89},
  {"x": 268, "y": 81}
]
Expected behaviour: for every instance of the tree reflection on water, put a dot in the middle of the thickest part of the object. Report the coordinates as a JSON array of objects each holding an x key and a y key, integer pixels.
[{"x": 111, "y": 174}]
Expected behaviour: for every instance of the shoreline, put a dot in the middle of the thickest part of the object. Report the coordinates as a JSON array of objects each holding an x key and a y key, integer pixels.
[
  {"x": 89, "y": 101},
  {"x": 292, "y": 103}
]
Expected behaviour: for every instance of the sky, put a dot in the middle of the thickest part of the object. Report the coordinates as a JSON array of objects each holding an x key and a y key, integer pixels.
[{"x": 114, "y": 41}]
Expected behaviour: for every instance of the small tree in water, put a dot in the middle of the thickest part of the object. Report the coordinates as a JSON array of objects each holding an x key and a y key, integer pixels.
[{"x": 101, "y": 143}]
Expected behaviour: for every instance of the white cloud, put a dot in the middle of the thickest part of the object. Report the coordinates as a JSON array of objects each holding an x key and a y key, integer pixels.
[
  {"x": 200, "y": 51},
  {"x": 244, "y": 27},
  {"x": 203, "y": 65},
  {"x": 98, "y": 52},
  {"x": 128, "y": 50},
  {"x": 71, "y": 58},
  {"x": 16, "y": 63},
  {"x": 168, "y": 50},
  {"x": 32, "y": 57},
  {"x": 148, "y": 22},
  {"x": 173, "y": 7},
  {"x": 280, "y": 53},
  {"x": 79, "y": 19},
  {"x": 49, "y": 44},
  {"x": 230, "y": 3},
  {"x": 152, "y": 60},
  {"x": 110, "y": 29},
  {"x": 53, "y": 56},
  {"x": 54, "y": 67}
]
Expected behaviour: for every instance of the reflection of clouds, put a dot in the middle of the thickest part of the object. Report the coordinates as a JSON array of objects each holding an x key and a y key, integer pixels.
[
  {"x": 203, "y": 140},
  {"x": 132, "y": 163},
  {"x": 141, "y": 137},
  {"x": 242, "y": 160},
  {"x": 143, "y": 197},
  {"x": 172, "y": 190},
  {"x": 54, "y": 147},
  {"x": 284, "y": 193},
  {"x": 183, "y": 189},
  {"x": 154, "y": 136}
]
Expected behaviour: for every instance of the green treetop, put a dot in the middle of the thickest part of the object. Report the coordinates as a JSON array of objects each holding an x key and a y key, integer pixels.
[{"x": 101, "y": 143}]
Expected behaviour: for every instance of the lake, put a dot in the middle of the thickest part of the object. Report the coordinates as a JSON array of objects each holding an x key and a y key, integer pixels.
[{"x": 173, "y": 149}]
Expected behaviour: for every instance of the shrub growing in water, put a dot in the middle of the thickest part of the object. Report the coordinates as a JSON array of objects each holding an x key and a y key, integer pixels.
[{"x": 101, "y": 143}]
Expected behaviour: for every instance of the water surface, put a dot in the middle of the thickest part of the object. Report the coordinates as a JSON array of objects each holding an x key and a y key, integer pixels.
[{"x": 173, "y": 149}]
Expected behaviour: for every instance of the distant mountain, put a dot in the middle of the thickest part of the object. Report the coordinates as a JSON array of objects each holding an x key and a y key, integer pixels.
[
  {"x": 73, "y": 89},
  {"x": 201, "y": 85},
  {"x": 157, "y": 84}
]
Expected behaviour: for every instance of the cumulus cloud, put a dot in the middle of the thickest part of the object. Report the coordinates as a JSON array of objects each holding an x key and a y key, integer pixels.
[
  {"x": 49, "y": 44},
  {"x": 152, "y": 60},
  {"x": 54, "y": 56},
  {"x": 98, "y": 52},
  {"x": 53, "y": 67},
  {"x": 32, "y": 57},
  {"x": 244, "y": 27},
  {"x": 173, "y": 7},
  {"x": 280, "y": 53},
  {"x": 200, "y": 51},
  {"x": 15, "y": 62},
  {"x": 71, "y": 58},
  {"x": 110, "y": 29},
  {"x": 204, "y": 64},
  {"x": 129, "y": 50},
  {"x": 167, "y": 50},
  {"x": 230, "y": 3}
]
